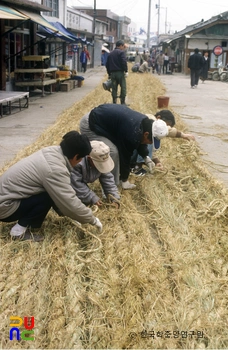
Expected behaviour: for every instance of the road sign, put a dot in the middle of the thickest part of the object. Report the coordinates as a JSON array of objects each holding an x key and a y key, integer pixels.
[{"x": 217, "y": 50}]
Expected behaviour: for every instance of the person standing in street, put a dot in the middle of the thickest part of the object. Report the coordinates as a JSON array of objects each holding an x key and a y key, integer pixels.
[
  {"x": 84, "y": 57},
  {"x": 195, "y": 64},
  {"x": 160, "y": 62},
  {"x": 166, "y": 63},
  {"x": 205, "y": 68},
  {"x": 117, "y": 70}
]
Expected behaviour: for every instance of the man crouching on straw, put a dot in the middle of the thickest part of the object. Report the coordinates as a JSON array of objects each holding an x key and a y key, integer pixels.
[{"x": 29, "y": 188}]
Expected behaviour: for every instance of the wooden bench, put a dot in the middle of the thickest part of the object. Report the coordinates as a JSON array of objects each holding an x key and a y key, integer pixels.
[{"x": 9, "y": 97}]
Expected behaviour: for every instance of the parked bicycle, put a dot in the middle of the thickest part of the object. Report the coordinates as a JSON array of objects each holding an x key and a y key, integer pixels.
[{"x": 220, "y": 74}]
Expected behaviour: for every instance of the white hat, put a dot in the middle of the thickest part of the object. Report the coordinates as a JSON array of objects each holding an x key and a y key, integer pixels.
[
  {"x": 159, "y": 130},
  {"x": 100, "y": 156}
]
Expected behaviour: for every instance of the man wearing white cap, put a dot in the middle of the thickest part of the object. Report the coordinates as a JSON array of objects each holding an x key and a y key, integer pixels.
[
  {"x": 97, "y": 165},
  {"x": 168, "y": 117},
  {"x": 123, "y": 130}
]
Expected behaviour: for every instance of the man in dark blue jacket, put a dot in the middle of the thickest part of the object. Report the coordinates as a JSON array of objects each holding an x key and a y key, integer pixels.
[
  {"x": 195, "y": 63},
  {"x": 116, "y": 66},
  {"x": 123, "y": 130}
]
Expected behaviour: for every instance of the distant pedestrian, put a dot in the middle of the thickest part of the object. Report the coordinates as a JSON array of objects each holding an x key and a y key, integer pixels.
[
  {"x": 104, "y": 56},
  {"x": 195, "y": 63},
  {"x": 117, "y": 69},
  {"x": 137, "y": 57},
  {"x": 166, "y": 63},
  {"x": 159, "y": 62},
  {"x": 205, "y": 68},
  {"x": 84, "y": 57}
]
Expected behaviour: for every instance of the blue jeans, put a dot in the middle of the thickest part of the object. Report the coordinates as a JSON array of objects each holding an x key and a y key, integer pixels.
[{"x": 137, "y": 159}]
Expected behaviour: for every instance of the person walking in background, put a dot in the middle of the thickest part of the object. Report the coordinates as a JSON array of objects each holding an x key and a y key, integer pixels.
[
  {"x": 205, "y": 68},
  {"x": 160, "y": 62},
  {"x": 84, "y": 57},
  {"x": 117, "y": 70},
  {"x": 166, "y": 63},
  {"x": 138, "y": 57},
  {"x": 104, "y": 56},
  {"x": 195, "y": 64}
]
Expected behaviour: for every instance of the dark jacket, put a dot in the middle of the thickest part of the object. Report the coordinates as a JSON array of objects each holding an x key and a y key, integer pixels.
[
  {"x": 123, "y": 127},
  {"x": 116, "y": 61},
  {"x": 195, "y": 61}
]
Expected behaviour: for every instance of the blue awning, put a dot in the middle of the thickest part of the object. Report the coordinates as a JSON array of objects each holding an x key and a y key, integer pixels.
[
  {"x": 59, "y": 26},
  {"x": 62, "y": 29}
]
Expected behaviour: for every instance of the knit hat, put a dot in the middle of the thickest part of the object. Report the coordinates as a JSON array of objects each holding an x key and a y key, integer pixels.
[
  {"x": 159, "y": 130},
  {"x": 100, "y": 156}
]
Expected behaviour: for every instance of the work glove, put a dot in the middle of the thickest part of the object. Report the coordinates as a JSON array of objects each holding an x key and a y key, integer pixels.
[
  {"x": 98, "y": 224},
  {"x": 126, "y": 74},
  {"x": 126, "y": 185},
  {"x": 149, "y": 163}
]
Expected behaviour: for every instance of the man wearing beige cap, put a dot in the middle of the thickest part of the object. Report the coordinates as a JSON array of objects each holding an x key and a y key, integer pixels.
[{"x": 97, "y": 165}]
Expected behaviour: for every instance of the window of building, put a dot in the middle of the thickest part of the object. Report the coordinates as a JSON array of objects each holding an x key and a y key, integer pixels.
[{"x": 54, "y": 4}]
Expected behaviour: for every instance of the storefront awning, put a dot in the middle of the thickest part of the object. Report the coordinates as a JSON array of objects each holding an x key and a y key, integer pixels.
[
  {"x": 35, "y": 17},
  {"x": 60, "y": 27},
  {"x": 9, "y": 13}
]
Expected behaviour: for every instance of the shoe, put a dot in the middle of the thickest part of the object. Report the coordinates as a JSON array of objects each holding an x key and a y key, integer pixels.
[
  {"x": 196, "y": 86},
  {"x": 21, "y": 233},
  {"x": 126, "y": 185},
  {"x": 17, "y": 230},
  {"x": 139, "y": 171},
  {"x": 192, "y": 87}
]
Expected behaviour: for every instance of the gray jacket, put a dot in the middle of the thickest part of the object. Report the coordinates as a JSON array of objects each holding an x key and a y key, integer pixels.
[
  {"x": 84, "y": 173},
  {"x": 47, "y": 170}
]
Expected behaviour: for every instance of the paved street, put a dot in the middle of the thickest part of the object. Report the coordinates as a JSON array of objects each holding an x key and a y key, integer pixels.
[
  {"x": 205, "y": 111},
  {"x": 21, "y": 129}
]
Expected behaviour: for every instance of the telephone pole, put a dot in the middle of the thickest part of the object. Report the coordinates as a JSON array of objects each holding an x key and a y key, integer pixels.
[
  {"x": 94, "y": 28},
  {"x": 158, "y": 7},
  {"x": 148, "y": 27}
]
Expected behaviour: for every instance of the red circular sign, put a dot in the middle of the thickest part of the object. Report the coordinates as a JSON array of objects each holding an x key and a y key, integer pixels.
[{"x": 218, "y": 50}]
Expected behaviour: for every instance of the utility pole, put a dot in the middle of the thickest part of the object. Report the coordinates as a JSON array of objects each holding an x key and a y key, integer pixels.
[
  {"x": 148, "y": 27},
  {"x": 158, "y": 7},
  {"x": 94, "y": 27},
  {"x": 166, "y": 24}
]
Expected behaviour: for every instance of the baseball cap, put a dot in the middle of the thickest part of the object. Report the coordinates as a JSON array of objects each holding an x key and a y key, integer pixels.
[
  {"x": 159, "y": 130},
  {"x": 100, "y": 156}
]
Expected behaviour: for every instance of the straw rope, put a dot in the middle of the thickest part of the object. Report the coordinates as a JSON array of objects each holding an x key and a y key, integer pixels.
[{"x": 160, "y": 263}]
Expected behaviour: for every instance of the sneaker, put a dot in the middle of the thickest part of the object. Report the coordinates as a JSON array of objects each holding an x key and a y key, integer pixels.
[
  {"x": 21, "y": 233},
  {"x": 192, "y": 87},
  {"x": 140, "y": 172},
  {"x": 196, "y": 86},
  {"x": 17, "y": 230}
]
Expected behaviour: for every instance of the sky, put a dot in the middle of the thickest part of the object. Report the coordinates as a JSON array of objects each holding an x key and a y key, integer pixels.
[{"x": 179, "y": 13}]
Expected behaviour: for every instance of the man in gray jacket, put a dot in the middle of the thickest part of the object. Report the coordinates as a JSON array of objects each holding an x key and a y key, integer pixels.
[{"x": 29, "y": 188}]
